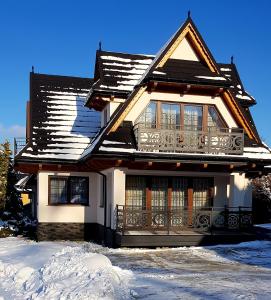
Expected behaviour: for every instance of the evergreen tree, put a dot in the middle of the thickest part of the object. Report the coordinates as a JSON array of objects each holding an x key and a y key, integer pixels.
[
  {"x": 10, "y": 199},
  {"x": 5, "y": 154},
  {"x": 262, "y": 199}
]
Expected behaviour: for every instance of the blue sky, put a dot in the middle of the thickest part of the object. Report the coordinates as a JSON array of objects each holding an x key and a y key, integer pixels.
[{"x": 61, "y": 37}]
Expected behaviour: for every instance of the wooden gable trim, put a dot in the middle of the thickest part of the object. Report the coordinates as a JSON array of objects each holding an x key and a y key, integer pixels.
[
  {"x": 128, "y": 108},
  {"x": 190, "y": 32},
  {"x": 229, "y": 99}
]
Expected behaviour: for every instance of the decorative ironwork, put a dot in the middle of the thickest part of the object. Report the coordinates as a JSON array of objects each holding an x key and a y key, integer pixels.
[
  {"x": 19, "y": 144},
  {"x": 174, "y": 138},
  {"x": 135, "y": 218}
]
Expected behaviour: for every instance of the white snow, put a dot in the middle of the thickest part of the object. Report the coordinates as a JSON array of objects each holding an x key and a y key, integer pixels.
[
  {"x": 132, "y": 71},
  {"x": 243, "y": 97},
  {"x": 212, "y": 77},
  {"x": 159, "y": 73},
  {"x": 119, "y": 87},
  {"x": 111, "y": 149},
  {"x": 225, "y": 69},
  {"x": 266, "y": 225},
  {"x": 143, "y": 67},
  {"x": 105, "y": 142},
  {"x": 66, "y": 270},
  {"x": 256, "y": 149},
  {"x": 59, "y": 270},
  {"x": 115, "y": 58}
]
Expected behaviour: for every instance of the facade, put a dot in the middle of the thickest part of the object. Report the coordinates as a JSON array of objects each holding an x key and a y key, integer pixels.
[{"x": 153, "y": 151}]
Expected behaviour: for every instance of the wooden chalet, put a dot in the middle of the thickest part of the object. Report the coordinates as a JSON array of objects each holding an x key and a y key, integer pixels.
[{"x": 153, "y": 151}]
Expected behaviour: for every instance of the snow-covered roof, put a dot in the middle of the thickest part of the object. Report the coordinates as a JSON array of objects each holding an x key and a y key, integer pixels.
[
  {"x": 120, "y": 72},
  {"x": 62, "y": 127}
]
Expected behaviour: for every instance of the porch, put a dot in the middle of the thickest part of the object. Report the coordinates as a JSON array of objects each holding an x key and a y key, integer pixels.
[
  {"x": 166, "y": 208},
  {"x": 182, "y": 227}
]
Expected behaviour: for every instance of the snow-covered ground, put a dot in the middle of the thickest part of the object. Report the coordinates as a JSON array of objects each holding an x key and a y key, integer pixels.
[
  {"x": 58, "y": 270},
  {"x": 69, "y": 270}
]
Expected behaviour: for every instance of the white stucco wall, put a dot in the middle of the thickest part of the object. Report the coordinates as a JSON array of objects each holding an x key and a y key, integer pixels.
[
  {"x": 184, "y": 51},
  {"x": 67, "y": 213},
  {"x": 240, "y": 190},
  {"x": 115, "y": 193},
  {"x": 221, "y": 196},
  {"x": 186, "y": 98}
]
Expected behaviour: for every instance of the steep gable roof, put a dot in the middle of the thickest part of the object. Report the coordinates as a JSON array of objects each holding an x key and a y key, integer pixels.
[
  {"x": 162, "y": 60},
  {"x": 62, "y": 127}
]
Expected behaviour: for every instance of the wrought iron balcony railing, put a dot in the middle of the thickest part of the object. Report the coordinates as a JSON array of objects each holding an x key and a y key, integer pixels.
[
  {"x": 19, "y": 144},
  {"x": 134, "y": 218},
  {"x": 189, "y": 139}
]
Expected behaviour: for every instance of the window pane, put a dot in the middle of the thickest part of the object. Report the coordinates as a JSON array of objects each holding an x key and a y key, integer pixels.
[
  {"x": 201, "y": 197},
  {"x": 148, "y": 117},
  {"x": 79, "y": 190},
  {"x": 170, "y": 115},
  {"x": 58, "y": 191},
  {"x": 159, "y": 192},
  {"x": 214, "y": 120},
  {"x": 136, "y": 191},
  {"x": 179, "y": 192},
  {"x": 193, "y": 117}
]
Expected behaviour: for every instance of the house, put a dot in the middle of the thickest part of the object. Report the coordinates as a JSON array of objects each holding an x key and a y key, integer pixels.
[{"x": 152, "y": 151}]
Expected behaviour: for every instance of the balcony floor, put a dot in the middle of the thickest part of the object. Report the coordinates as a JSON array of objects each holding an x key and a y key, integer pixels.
[{"x": 161, "y": 238}]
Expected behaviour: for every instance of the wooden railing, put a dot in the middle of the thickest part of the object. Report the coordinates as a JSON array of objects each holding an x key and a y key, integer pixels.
[
  {"x": 189, "y": 139},
  {"x": 19, "y": 144},
  {"x": 134, "y": 218}
]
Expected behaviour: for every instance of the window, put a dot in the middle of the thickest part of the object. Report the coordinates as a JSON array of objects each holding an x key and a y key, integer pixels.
[
  {"x": 202, "y": 194},
  {"x": 136, "y": 191},
  {"x": 169, "y": 115},
  {"x": 162, "y": 192},
  {"x": 148, "y": 117},
  {"x": 214, "y": 119},
  {"x": 68, "y": 190},
  {"x": 193, "y": 117}
]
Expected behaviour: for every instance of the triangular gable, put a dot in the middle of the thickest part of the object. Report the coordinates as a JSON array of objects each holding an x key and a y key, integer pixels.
[
  {"x": 186, "y": 34},
  {"x": 187, "y": 31},
  {"x": 185, "y": 51}
]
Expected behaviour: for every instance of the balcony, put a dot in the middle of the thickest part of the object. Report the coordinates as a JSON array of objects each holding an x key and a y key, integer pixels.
[
  {"x": 179, "y": 219},
  {"x": 19, "y": 144},
  {"x": 177, "y": 139}
]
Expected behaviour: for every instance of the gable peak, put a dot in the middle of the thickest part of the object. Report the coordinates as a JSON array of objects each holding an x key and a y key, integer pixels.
[{"x": 188, "y": 44}]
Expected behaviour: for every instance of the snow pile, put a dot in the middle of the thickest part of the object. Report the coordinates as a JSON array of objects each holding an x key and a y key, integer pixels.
[
  {"x": 71, "y": 273},
  {"x": 266, "y": 226}
]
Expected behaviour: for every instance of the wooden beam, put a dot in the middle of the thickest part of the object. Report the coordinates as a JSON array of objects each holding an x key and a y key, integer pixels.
[{"x": 118, "y": 163}]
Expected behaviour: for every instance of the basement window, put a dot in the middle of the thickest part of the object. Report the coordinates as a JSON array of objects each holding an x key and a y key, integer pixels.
[{"x": 68, "y": 190}]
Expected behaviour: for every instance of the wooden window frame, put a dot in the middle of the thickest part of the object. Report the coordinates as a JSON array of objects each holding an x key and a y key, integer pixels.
[
  {"x": 190, "y": 190},
  {"x": 182, "y": 105},
  {"x": 68, "y": 182}
]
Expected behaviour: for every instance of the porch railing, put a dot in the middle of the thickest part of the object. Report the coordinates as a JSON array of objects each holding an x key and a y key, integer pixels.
[
  {"x": 19, "y": 144},
  {"x": 133, "y": 218},
  {"x": 189, "y": 139}
]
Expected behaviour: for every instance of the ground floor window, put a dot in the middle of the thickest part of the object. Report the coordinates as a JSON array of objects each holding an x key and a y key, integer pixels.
[
  {"x": 68, "y": 190},
  {"x": 161, "y": 192}
]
